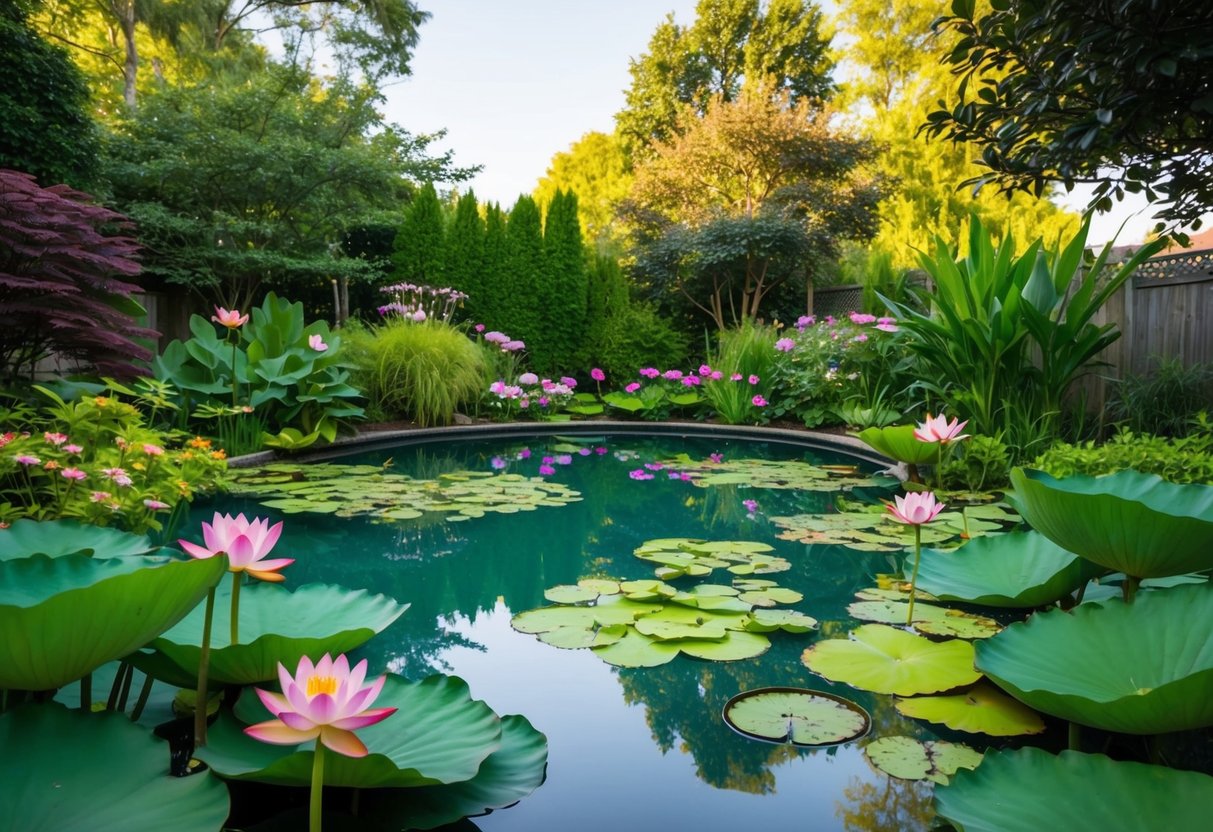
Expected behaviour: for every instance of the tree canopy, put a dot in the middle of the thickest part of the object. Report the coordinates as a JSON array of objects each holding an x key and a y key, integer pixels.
[
  {"x": 597, "y": 170},
  {"x": 1117, "y": 93}
]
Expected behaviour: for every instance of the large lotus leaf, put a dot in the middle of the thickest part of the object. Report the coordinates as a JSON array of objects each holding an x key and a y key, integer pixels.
[
  {"x": 1029, "y": 790},
  {"x": 733, "y": 647},
  {"x": 898, "y": 442},
  {"x": 1140, "y": 668},
  {"x": 981, "y": 710},
  {"x": 66, "y": 537},
  {"x": 1127, "y": 522},
  {"x": 64, "y": 617},
  {"x": 636, "y": 650},
  {"x": 908, "y": 759},
  {"x": 438, "y": 734},
  {"x": 1020, "y": 569},
  {"x": 276, "y": 625},
  {"x": 927, "y": 618},
  {"x": 796, "y": 716},
  {"x": 884, "y": 659},
  {"x": 70, "y": 771}
]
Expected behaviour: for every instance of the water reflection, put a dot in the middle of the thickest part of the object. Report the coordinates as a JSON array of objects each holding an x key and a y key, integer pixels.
[{"x": 643, "y": 746}]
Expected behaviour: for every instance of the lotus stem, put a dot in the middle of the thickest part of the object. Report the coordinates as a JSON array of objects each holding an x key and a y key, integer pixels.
[
  {"x": 315, "y": 816},
  {"x": 204, "y": 664},
  {"x": 914, "y": 575},
  {"x": 964, "y": 516},
  {"x": 1075, "y": 737},
  {"x": 111, "y": 704},
  {"x": 1129, "y": 588},
  {"x": 141, "y": 702},
  {"x": 128, "y": 674},
  {"x": 235, "y": 381},
  {"x": 235, "y": 608},
  {"x": 86, "y": 692}
]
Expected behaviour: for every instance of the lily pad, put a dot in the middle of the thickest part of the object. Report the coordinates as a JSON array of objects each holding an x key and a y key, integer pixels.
[
  {"x": 930, "y": 619},
  {"x": 58, "y": 772},
  {"x": 570, "y": 594},
  {"x": 795, "y": 716},
  {"x": 883, "y": 659},
  {"x": 776, "y": 474},
  {"x": 1029, "y": 789},
  {"x": 63, "y": 617},
  {"x": 765, "y": 621},
  {"x": 1020, "y": 569},
  {"x": 1140, "y": 668},
  {"x": 276, "y": 625},
  {"x": 55, "y": 538},
  {"x": 1126, "y": 522},
  {"x": 909, "y": 759},
  {"x": 438, "y": 735},
  {"x": 983, "y": 709},
  {"x": 636, "y": 650},
  {"x": 680, "y": 556}
]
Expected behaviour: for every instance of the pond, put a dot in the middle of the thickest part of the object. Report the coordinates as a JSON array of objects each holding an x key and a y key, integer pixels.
[{"x": 639, "y": 747}]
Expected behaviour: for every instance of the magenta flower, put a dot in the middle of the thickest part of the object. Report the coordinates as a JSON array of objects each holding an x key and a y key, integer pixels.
[
  {"x": 72, "y": 449},
  {"x": 735, "y": 377},
  {"x": 98, "y": 496},
  {"x": 479, "y": 327},
  {"x": 419, "y": 316},
  {"x": 751, "y": 506},
  {"x": 497, "y": 463},
  {"x": 564, "y": 459},
  {"x": 584, "y": 452},
  {"x": 640, "y": 474},
  {"x": 73, "y": 474},
  {"x": 317, "y": 343},
  {"x": 548, "y": 460},
  {"x": 26, "y": 459},
  {"x": 690, "y": 381},
  {"x": 758, "y": 401},
  {"x": 326, "y": 702},
  {"x": 650, "y": 372},
  {"x": 597, "y": 374},
  {"x": 633, "y": 387},
  {"x": 524, "y": 403},
  {"x": 528, "y": 378},
  {"x": 917, "y": 508},
  {"x": 525, "y": 453},
  {"x": 805, "y": 321},
  {"x": 716, "y": 458},
  {"x": 654, "y": 466},
  {"x": 753, "y": 379},
  {"x": 245, "y": 544},
  {"x": 513, "y": 346},
  {"x": 860, "y": 338},
  {"x": 785, "y": 345},
  {"x": 672, "y": 375},
  {"x": 862, "y": 318},
  {"x": 230, "y": 318},
  {"x": 495, "y": 337},
  {"x": 54, "y": 438},
  {"x": 153, "y": 450},
  {"x": 568, "y": 382},
  {"x": 939, "y": 429},
  {"x": 546, "y": 470},
  {"x": 600, "y": 450},
  {"x": 157, "y": 505},
  {"x": 705, "y": 369},
  {"x": 716, "y": 375}
]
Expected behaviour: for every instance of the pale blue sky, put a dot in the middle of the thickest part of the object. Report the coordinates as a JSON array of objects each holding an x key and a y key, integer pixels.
[{"x": 515, "y": 81}]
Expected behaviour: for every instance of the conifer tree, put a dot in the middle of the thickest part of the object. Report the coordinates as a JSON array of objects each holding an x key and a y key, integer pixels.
[
  {"x": 464, "y": 254},
  {"x": 606, "y": 298},
  {"x": 521, "y": 306},
  {"x": 494, "y": 286},
  {"x": 564, "y": 286},
  {"x": 418, "y": 251}
]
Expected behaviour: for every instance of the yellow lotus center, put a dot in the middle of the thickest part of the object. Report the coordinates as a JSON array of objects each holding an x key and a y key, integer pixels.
[{"x": 317, "y": 685}]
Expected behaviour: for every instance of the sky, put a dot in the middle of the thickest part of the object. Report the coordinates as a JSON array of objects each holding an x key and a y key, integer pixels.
[{"x": 515, "y": 82}]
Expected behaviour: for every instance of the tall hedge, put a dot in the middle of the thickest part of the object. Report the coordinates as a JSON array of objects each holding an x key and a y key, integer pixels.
[
  {"x": 418, "y": 252},
  {"x": 564, "y": 285},
  {"x": 463, "y": 264},
  {"x": 521, "y": 307},
  {"x": 494, "y": 289}
]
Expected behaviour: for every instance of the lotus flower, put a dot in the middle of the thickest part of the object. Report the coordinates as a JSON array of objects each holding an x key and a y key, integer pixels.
[
  {"x": 230, "y": 318},
  {"x": 917, "y": 508},
  {"x": 939, "y": 429},
  {"x": 326, "y": 702},
  {"x": 245, "y": 544},
  {"x": 316, "y": 342}
]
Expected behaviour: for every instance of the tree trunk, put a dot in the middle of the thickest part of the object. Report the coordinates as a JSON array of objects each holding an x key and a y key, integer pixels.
[{"x": 124, "y": 11}]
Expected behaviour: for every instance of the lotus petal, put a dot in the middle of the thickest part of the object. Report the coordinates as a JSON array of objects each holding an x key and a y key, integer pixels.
[{"x": 1140, "y": 668}]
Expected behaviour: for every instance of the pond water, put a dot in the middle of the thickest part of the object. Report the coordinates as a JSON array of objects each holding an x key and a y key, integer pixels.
[{"x": 637, "y": 748}]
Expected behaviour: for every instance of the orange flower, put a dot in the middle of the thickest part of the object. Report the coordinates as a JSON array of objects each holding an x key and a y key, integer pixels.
[
  {"x": 200, "y": 443},
  {"x": 219, "y": 454},
  {"x": 101, "y": 401}
]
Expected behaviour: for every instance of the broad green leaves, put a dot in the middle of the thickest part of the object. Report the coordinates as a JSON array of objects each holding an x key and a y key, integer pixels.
[
  {"x": 982, "y": 709},
  {"x": 795, "y": 716},
  {"x": 883, "y": 659},
  {"x": 908, "y": 759}
]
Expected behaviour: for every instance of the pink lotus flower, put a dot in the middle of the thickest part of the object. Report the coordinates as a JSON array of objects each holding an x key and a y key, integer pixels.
[
  {"x": 917, "y": 508},
  {"x": 597, "y": 374},
  {"x": 230, "y": 318},
  {"x": 317, "y": 343},
  {"x": 640, "y": 474},
  {"x": 326, "y": 702},
  {"x": 245, "y": 544},
  {"x": 939, "y": 429}
]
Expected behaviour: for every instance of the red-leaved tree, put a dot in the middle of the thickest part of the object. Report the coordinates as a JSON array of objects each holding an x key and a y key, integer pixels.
[{"x": 63, "y": 287}]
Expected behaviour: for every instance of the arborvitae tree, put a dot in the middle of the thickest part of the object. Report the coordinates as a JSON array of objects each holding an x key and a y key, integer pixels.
[
  {"x": 494, "y": 285},
  {"x": 606, "y": 298},
  {"x": 521, "y": 308},
  {"x": 464, "y": 254},
  {"x": 418, "y": 255},
  {"x": 565, "y": 284}
]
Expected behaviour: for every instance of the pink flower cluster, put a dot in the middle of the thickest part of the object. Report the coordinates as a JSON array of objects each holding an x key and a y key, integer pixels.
[
  {"x": 504, "y": 341},
  {"x": 703, "y": 375},
  {"x": 418, "y": 303}
]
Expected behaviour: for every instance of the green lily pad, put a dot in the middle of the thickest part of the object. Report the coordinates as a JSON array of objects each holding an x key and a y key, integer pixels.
[
  {"x": 883, "y": 659},
  {"x": 574, "y": 638},
  {"x": 636, "y": 650},
  {"x": 1126, "y": 522},
  {"x": 439, "y": 734},
  {"x": 983, "y": 709},
  {"x": 795, "y": 716},
  {"x": 909, "y": 759},
  {"x": 735, "y": 646},
  {"x": 58, "y": 772},
  {"x": 1140, "y": 668},
  {"x": 681, "y": 556},
  {"x": 66, "y": 616},
  {"x": 665, "y": 630},
  {"x": 276, "y": 625},
  {"x": 1020, "y": 569},
  {"x": 54, "y": 538},
  {"x": 898, "y": 442},
  {"x": 775, "y": 474},
  {"x": 609, "y": 610},
  {"x": 570, "y": 594},
  {"x": 771, "y": 596},
  {"x": 872, "y": 528},
  {"x": 1029, "y": 789},
  {"x": 791, "y": 621},
  {"x": 928, "y": 618}
]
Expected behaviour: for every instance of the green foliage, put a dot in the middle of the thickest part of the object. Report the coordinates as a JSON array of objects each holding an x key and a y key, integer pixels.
[
  {"x": 94, "y": 459},
  {"x": 733, "y": 45},
  {"x": 597, "y": 170},
  {"x": 521, "y": 315},
  {"x": 1054, "y": 91},
  {"x": 608, "y": 296},
  {"x": 984, "y": 465},
  {"x": 45, "y": 128},
  {"x": 565, "y": 293},
  {"x": 419, "y": 251},
  {"x": 1163, "y": 401},
  {"x": 421, "y": 371},
  {"x": 1182, "y": 460},
  {"x": 464, "y": 263},
  {"x": 748, "y": 350},
  {"x": 286, "y": 381},
  {"x": 639, "y": 337},
  {"x": 1006, "y": 335}
]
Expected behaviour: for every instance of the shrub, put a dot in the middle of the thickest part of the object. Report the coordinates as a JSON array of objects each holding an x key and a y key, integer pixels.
[
  {"x": 747, "y": 350},
  {"x": 423, "y": 371},
  {"x": 1163, "y": 401},
  {"x": 636, "y": 337},
  {"x": 1184, "y": 460}
]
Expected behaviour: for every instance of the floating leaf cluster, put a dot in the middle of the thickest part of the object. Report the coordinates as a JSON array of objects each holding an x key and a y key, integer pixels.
[
  {"x": 679, "y": 556},
  {"x": 891, "y": 606},
  {"x": 778, "y": 474},
  {"x": 371, "y": 491},
  {"x": 871, "y": 528},
  {"x": 909, "y": 759}
]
